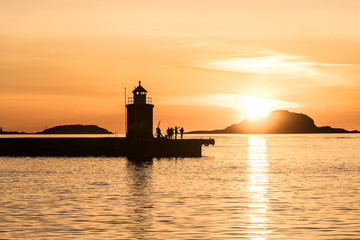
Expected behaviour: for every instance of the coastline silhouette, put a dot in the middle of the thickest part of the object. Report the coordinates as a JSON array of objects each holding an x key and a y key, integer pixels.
[{"x": 67, "y": 129}]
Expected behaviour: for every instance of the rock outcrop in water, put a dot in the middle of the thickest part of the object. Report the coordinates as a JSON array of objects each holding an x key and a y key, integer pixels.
[
  {"x": 76, "y": 129},
  {"x": 280, "y": 121}
]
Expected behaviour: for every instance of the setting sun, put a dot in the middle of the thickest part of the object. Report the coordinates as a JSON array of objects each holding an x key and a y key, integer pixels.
[{"x": 256, "y": 106}]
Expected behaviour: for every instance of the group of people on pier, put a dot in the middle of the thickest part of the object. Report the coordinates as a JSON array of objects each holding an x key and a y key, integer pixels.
[{"x": 172, "y": 133}]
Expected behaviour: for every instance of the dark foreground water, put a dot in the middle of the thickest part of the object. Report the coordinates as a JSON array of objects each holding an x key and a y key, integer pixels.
[{"x": 247, "y": 186}]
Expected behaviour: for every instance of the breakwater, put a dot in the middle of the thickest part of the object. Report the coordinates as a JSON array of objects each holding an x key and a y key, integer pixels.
[{"x": 77, "y": 147}]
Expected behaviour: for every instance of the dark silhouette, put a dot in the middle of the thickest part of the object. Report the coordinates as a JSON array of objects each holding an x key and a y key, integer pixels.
[
  {"x": 158, "y": 133},
  {"x": 280, "y": 121},
  {"x": 12, "y": 132},
  {"x": 176, "y": 132},
  {"x": 102, "y": 146},
  {"x": 168, "y": 133},
  {"x": 139, "y": 115},
  {"x": 171, "y": 133},
  {"x": 181, "y": 132},
  {"x": 76, "y": 129}
]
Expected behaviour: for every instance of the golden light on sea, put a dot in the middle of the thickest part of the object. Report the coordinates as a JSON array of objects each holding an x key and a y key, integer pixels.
[{"x": 257, "y": 184}]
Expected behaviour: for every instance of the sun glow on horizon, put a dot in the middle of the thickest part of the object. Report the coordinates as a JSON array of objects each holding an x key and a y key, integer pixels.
[
  {"x": 256, "y": 106},
  {"x": 246, "y": 106}
]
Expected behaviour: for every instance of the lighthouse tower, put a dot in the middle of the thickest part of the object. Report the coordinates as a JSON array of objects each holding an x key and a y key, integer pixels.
[{"x": 139, "y": 115}]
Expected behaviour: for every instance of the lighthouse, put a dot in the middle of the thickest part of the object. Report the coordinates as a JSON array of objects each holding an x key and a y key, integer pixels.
[{"x": 139, "y": 115}]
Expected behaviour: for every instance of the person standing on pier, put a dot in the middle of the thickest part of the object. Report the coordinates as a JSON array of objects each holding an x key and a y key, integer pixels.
[
  {"x": 176, "y": 132},
  {"x": 181, "y": 132},
  {"x": 158, "y": 132},
  {"x": 168, "y": 133},
  {"x": 171, "y": 132}
]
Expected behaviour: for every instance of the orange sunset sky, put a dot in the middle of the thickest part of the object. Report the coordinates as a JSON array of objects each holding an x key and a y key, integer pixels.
[{"x": 206, "y": 64}]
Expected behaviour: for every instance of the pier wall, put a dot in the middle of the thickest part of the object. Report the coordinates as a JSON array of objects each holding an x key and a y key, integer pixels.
[{"x": 102, "y": 147}]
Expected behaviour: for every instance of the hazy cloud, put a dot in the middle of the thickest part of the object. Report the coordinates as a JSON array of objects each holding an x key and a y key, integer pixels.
[
  {"x": 228, "y": 100},
  {"x": 257, "y": 61}
]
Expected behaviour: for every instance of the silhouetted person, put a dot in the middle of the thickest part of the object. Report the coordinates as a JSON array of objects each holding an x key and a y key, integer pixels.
[
  {"x": 171, "y": 132},
  {"x": 181, "y": 132},
  {"x": 168, "y": 132},
  {"x": 176, "y": 132},
  {"x": 158, "y": 132}
]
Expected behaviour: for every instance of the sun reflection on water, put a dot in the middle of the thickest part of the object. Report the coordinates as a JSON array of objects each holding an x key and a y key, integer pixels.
[{"x": 257, "y": 183}]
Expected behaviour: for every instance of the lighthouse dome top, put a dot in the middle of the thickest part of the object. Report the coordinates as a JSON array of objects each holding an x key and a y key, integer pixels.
[{"x": 139, "y": 90}]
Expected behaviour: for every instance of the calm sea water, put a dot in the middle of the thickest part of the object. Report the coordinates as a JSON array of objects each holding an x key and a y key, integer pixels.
[{"x": 246, "y": 186}]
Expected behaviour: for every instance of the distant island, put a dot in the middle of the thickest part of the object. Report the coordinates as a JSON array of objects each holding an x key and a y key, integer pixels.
[
  {"x": 68, "y": 129},
  {"x": 279, "y": 121},
  {"x": 76, "y": 129}
]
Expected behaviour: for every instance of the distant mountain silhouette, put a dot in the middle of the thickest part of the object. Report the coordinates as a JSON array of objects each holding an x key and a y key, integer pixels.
[
  {"x": 279, "y": 121},
  {"x": 76, "y": 129},
  {"x": 12, "y": 132}
]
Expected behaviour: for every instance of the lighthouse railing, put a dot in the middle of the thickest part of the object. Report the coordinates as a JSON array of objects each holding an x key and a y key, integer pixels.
[{"x": 132, "y": 101}]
